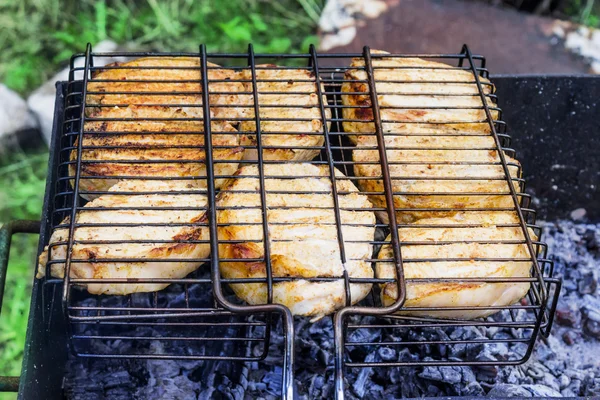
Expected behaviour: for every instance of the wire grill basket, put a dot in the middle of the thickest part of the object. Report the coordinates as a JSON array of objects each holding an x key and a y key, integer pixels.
[{"x": 211, "y": 102}]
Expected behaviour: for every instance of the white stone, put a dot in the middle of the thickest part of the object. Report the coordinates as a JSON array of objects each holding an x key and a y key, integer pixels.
[
  {"x": 338, "y": 20},
  {"x": 558, "y": 30},
  {"x": 41, "y": 101},
  {"x": 14, "y": 114},
  {"x": 578, "y": 214},
  {"x": 595, "y": 67}
]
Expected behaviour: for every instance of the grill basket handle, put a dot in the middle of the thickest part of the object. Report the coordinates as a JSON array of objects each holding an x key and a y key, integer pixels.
[{"x": 11, "y": 383}]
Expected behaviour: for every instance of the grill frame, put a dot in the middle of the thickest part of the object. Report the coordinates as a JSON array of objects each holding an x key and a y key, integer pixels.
[{"x": 216, "y": 281}]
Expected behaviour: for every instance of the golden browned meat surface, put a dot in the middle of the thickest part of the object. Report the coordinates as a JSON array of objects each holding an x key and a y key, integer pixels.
[
  {"x": 155, "y": 127},
  {"x": 430, "y": 173},
  {"x": 415, "y": 96},
  {"x": 303, "y": 237},
  {"x": 446, "y": 249},
  {"x": 102, "y": 236},
  {"x": 291, "y": 95}
]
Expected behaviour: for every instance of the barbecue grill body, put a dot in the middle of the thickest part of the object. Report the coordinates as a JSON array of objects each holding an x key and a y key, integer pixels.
[{"x": 553, "y": 128}]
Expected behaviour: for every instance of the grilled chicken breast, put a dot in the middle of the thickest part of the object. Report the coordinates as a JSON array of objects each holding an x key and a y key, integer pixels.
[
  {"x": 144, "y": 119},
  {"x": 430, "y": 173},
  {"x": 415, "y": 96},
  {"x": 290, "y": 113},
  {"x": 447, "y": 249},
  {"x": 108, "y": 225},
  {"x": 303, "y": 237}
]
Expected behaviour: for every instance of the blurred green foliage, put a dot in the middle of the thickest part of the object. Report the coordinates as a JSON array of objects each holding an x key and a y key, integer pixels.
[
  {"x": 39, "y": 36},
  {"x": 585, "y": 12},
  {"x": 22, "y": 183}
]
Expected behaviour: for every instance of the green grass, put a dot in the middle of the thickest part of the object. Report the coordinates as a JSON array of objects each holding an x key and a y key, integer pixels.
[
  {"x": 22, "y": 182},
  {"x": 37, "y": 37},
  {"x": 586, "y": 12}
]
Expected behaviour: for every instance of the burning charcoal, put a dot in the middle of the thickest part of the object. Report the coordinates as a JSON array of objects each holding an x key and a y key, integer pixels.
[
  {"x": 590, "y": 238},
  {"x": 506, "y": 390},
  {"x": 592, "y": 387},
  {"x": 541, "y": 391},
  {"x": 361, "y": 384},
  {"x": 387, "y": 354},
  {"x": 592, "y": 328},
  {"x": 536, "y": 371},
  {"x": 498, "y": 349},
  {"x": 588, "y": 283},
  {"x": 487, "y": 373},
  {"x": 551, "y": 381},
  {"x": 274, "y": 381},
  {"x": 434, "y": 390},
  {"x": 364, "y": 335},
  {"x": 432, "y": 373},
  {"x": 575, "y": 386},
  {"x": 564, "y": 381},
  {"x": 518, "y": 350},
  {"x": 568, "y": 314},
  {"x": 570, "y": 337}
]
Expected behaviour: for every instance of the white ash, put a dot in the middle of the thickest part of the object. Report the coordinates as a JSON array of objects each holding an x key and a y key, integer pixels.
[{"x": 566, "y": 364}]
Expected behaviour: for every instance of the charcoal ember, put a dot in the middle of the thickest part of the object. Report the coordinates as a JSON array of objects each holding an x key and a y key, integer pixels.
[
  {"x": 568, "y": 313},
  {"x": 588, "y": 283},
  {"x": 486, "y": 373},
  {"x": 541, "y": 391},
  {"x": 564, "y": 381},
  {"x": 571, "y": 278},
  {"x": 451, "y": 375},
  {"x": 362, "y": 383},
  {"x": 364, "y": 335},
  {"x": 274, "y": 381},
  {"x": 570, "y": 337},
  {"x": 387, "y": 354},
  {"x": 575, "y": 386},
  {"x": 591, "y": 240},
  {"x": 592, "y": 328},
  {"x": 551, "y": 381},
  {"x": 118, "y": 379},
  {"x": 536, "y": 371},
  {"x": 513, "y": 375},
  {"x": 517, "y": 350},
  {"x": 509, "y": 390},
  {"x": 497, "y": 349}
]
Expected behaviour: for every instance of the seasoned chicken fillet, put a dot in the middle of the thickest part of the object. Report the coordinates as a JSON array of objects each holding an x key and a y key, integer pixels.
[
  {"x": 303, "y": 237},
  {"x": 432, "y": 173},
  {"x": 104, "y": 235},
  {"x": 291, "y": 95},
  {"x": 415, "y": 96},
  {"x": 155, "y": 127},
  {"x": 446, "y": 248}
]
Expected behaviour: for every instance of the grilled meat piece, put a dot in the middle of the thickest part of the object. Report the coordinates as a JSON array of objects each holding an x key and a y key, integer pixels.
[
  {"x": 289, "y": 94},
  {"x": 415, "y": 96},
  {"x": 144, "y": 119},
  {"x": 448, "y": 248},
  {"x": 108, "y": 224},
  {"x": 429, "y": 173},
  {"x": 303, "y": 237}
]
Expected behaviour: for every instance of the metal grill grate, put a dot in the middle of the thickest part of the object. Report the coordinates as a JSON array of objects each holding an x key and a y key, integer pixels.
[{"x": 190, "y": 321}]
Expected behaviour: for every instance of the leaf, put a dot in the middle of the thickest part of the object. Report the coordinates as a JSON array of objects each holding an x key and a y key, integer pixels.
[
  {"x": 65, "y": 37},
  {"x": 236, "y": 30},
  {"x": 311, "y": 39},
  {"x": 101, "y": 16},
  {"x": 62, "y": 56},
  {"x": 258, "y": 22},
  {"x": 279, "y": 45}
]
